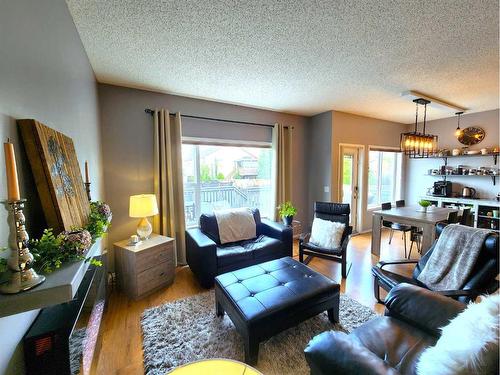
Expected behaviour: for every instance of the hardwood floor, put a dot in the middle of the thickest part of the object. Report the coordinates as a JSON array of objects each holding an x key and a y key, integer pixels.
[{"x": 121, "y": 351}]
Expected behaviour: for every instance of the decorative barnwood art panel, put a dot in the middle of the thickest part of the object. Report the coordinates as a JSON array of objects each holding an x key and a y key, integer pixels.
[{"x": 57, "y": 175}]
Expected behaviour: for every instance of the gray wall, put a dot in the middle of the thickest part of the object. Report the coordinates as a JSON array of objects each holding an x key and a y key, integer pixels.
[
  {"x": 127, "y": 134},
  {"x": 44, "y": 74},
  {"x": 319, "y": 161},
  {"x": 325, "y": 134},
  {"x": 416, "y": 181}
]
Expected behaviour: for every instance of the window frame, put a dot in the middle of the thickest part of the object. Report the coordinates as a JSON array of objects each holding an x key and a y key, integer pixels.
[
  {"x": 195, "y": 141},
  {"x": 398, "y": 174}
]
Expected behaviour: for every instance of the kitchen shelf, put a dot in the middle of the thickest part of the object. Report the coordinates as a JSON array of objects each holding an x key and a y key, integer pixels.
[
  {"x": 488, "y": 217},
  {"x": 60, "y": 286},
  {"x": 493, "y": 155},
  {"x": 493, "y": 177}
]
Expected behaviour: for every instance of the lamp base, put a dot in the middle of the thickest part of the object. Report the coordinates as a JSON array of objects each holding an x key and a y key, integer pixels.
[
  {"x": 144, "y": 228},
  {"x": 21, "y": 280}
]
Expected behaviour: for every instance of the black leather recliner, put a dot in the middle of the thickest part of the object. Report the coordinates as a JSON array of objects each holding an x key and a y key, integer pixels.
[
  {"x": 390, "y": 344},
  {"x": 481, "y": 280},
  {"x": 207, "y": 257}
]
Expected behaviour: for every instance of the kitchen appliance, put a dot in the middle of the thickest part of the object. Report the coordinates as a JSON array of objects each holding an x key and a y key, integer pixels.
[
  {"x": 442, "y": 189},
  {"x": 468, "y": 192}
]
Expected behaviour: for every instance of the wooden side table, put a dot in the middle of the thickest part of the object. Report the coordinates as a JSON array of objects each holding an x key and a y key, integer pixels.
[{"x": 145, "y": 267}]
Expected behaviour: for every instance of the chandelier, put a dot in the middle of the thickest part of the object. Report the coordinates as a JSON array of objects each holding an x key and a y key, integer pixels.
[{"x": 415, "y": 144}]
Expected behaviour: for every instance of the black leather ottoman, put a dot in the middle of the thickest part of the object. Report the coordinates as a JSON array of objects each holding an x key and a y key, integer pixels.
[{"x": 267, "y": 298}]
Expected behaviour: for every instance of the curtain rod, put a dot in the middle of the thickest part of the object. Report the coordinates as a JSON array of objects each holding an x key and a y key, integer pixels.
[{"x": 151, "y": 112}]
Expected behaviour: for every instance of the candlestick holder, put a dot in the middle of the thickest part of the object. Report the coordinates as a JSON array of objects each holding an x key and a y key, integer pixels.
[
  {"x": 20, "y": 262},
  {"x": 87, "y": 190}
]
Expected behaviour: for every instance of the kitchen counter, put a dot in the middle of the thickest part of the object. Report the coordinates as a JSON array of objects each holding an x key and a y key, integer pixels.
[
  {"x": 479, "y": 201},
  {"x": 480, "y": 209}
]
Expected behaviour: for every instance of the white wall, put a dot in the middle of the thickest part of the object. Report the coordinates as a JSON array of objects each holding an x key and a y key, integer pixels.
[
  {"x": 44, "y": 74},
  {"x": 416, "y": 181}
]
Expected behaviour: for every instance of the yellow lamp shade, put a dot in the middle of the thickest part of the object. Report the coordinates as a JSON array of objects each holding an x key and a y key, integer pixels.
[{"x": 143, "y": 205}]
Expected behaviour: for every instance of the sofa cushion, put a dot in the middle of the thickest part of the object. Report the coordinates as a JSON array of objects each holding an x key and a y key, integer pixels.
[
  {"x": 208, "y": 225},
  {"x": 395, "y": 341},
  {"x": 265, "y": 247},
  {"x": 261, "y": 247},
  {"x": 232, "y": 254},
  {"x": 326, "y": 234}
]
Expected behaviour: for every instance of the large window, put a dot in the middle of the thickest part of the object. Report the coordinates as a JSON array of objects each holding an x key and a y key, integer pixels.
[
  {"x": 218, "y": 177},
  {"x": 384, "y": 177}
]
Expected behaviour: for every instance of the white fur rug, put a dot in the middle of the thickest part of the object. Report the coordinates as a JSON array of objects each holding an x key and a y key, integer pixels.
[{"x": 187, "y": 330}]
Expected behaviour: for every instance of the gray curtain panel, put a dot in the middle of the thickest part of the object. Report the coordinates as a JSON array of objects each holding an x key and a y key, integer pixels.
[
  {"x": 168, "y": 180},
  {"x": 282, "y": 146}
]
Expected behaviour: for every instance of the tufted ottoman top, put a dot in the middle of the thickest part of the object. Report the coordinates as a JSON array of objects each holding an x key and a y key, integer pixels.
[{"x": 276, "y": 285}]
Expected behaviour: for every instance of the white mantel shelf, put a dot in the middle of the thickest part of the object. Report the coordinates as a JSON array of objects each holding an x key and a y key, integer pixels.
[{"x": 60, "y": 286}]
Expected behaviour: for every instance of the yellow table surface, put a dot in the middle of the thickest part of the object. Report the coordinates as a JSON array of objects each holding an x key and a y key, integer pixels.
[{"x": 215, "y": 367}]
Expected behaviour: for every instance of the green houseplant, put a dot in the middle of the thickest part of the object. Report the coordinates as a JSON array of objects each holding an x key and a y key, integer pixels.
[
  {"x": 287, "y": 211},
  {"x": 424, "y": 204}
]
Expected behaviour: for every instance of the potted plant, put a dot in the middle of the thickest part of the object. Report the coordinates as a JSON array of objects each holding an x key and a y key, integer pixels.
[
  {"x": 287, "y": 211},
  {"x": 424, "y": 204}
]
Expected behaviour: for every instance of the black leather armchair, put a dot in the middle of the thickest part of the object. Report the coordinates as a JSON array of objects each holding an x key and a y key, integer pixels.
[
  {"x": 389, "y": 344},
  {"x": 482, "y": 279},
  {"x": 207, "y": 257},
  {"x": 338, "y": 212}
]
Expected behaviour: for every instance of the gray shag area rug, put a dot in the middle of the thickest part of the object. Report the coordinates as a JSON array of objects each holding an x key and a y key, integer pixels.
[{"x": 187, "y": 330}]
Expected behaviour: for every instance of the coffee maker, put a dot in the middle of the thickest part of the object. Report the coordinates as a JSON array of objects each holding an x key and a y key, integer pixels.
[{"x": 442, "y": 189}]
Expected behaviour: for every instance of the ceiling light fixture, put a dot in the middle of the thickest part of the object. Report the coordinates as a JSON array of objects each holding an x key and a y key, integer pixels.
[
  {"x": 458, "y": 132},
  {"x": 419, "y": 145}
]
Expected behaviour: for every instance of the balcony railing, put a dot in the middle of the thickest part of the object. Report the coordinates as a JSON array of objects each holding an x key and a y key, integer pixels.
[{"x": 206, "y": 197}]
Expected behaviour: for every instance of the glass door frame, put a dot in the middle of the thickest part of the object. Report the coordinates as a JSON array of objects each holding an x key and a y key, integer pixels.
[{"x": 359, "y": 152}]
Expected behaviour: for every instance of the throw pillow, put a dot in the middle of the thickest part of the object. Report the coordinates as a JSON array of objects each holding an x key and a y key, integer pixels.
[
  {"x": 327, "y": 234},
  {"x": 468, "y": 345}
]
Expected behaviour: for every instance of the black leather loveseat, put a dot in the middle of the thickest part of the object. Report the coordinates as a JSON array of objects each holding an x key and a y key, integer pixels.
[{"x": 207, "y": 258}]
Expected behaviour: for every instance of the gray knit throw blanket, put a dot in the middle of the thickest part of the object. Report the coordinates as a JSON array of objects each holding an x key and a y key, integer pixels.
[{"x": 453, "y": 258}]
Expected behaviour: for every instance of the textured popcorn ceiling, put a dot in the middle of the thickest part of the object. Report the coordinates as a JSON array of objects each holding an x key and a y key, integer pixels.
[{"x": 302, "y": 57}]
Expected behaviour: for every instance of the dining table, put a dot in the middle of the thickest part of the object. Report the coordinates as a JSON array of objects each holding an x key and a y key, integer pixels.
[{"x": 410, "y": 215}]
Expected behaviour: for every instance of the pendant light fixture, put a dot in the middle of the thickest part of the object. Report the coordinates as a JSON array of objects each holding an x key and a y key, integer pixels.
[
  {"x": 415, "y": 144},
  {"x": 458, "y": 132}
]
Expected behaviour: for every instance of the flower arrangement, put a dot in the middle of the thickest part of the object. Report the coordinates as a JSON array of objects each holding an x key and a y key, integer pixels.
[
  {"x": 51, "y": 251},
  {"x": 99, "y": 219}
]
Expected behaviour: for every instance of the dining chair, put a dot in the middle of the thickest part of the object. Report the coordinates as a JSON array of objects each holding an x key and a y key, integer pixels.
[
  {"x": 452, "y": 217},
  {"x": 464, "y": 219},
  {"x": 395, "y": 226},
  {"x": 400, "y": 203}
]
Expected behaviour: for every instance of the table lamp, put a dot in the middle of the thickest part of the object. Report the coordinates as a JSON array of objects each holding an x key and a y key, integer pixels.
[{"x": 142, "y": 206}]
